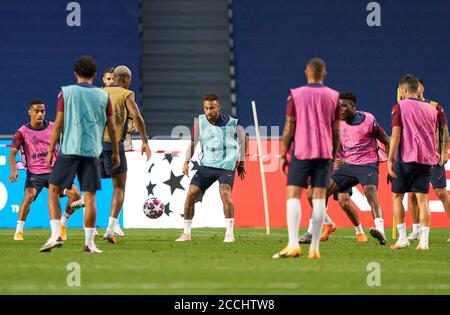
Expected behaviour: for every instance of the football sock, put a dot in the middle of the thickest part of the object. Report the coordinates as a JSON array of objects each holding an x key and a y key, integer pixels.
[
  {"x": 89, "y": 237},
  {"x": 416, "y": 228},
  {"x": 310, "y": 226},
  {"x": 401, "y": 231},
  {"x": 65, "y": 217},
  {"x": 19, "y": 227},
  {"x": 359, "y": 229},
  {"x": 424, "y": 233},
  {"x": 55, "y": 226},
  {"x": 293, "y": 214},
  {"x": 111, "y": 223},
  {"x": 187, "y": 226},
  {"x": 327, "y": 219},
  {"x": 379, "y": 224},
  {"x": 318, "y": 214},
  {"x": 229, "y": 224}
]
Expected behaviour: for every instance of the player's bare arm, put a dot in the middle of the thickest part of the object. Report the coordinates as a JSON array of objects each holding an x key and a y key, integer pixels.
[
  {"x": 139, "y": 123},
  {"x": 395, "y": 141},
  {"x": 444, "y": 146},
  {"x": 56, "y": 133},
  {"x": 288, "y": 136},
  {"x": 384, "y": 139},
  {"x": 114, "y": 141},
  {"x": 336, "y": 137},
  {"x": 243, "y": 145},
  {"x": 12, "y": 165}
]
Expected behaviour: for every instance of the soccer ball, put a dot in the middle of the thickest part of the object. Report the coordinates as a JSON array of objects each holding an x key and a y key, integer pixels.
[{"x": 153, "y": 207}]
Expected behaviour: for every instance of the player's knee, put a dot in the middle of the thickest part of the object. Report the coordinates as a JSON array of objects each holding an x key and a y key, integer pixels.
[
  {"x": 441, "y": 193},
  {"x": 29, "y": 197}
]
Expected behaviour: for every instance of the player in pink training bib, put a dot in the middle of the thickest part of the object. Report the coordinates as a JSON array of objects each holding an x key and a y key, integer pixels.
[
  {"x": 33, "y": 140},
  {"x": 312, "y": 124}
]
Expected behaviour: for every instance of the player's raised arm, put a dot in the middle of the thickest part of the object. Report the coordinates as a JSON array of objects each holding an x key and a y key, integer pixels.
[{"x": 134, "y": 113}]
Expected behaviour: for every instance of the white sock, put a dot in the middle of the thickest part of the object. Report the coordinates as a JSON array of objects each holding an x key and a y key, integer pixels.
[
  {"x": 19, "y": 227},
  {"x": 112, "y": 221},
  {"x": 65, "y": 217},
  {"x": 293, "y": 214},
  {"x": 424, "y": 233},
  {"x": 416, "y": 228},
  {"x": 379, "y": 224},
  {"x": 89, "y": 237},
  {"x": 229, "y": 224},
  {"x": 55, "y": 225},
  {"x": 318, "y": 214},
  {"x": 187, "y": 227},
  {"x": 310, "y": 226},
  {"x": 359, "y": 229},
  {"x": 327, "y": 219},
  {"x": 401, "y": 231}
]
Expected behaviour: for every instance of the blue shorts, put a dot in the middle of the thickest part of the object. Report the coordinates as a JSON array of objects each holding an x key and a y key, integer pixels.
[
  {"x": 85, "y": 168},
  {"x": 348, "y": 191},
  {"x": 438, "y": 178},
  {"x": 38, "y": 182},
  {"x": 106, "y": 169},
  {"x": 318, "y": 170},
  {"x": 349, "y": 175},
  {"x": 206, "y": 176},
  {"x": 411, "y": 177}
]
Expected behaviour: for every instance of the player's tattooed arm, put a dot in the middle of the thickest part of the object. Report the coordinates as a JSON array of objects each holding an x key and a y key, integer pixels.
[
  {"x": 288, "y": 136},
  {"x": 135, "y": 114}
]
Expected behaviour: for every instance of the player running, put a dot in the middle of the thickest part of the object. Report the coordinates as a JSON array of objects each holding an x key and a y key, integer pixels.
[
  {"x": 414, "y": 124},
  {"x": 223, "y": 143},
  {"x": 33, "y": 141},
  {"x": 359, "y": 133},
  {"x": 438, "y": 178},
  {"x": 82, "y": 112},
  {"x": 312, "y": 124},
  {"x": 124, "y": 107}
]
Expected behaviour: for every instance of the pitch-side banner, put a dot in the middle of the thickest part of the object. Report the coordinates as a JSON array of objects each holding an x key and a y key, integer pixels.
[{"x": 162, "y": 176}]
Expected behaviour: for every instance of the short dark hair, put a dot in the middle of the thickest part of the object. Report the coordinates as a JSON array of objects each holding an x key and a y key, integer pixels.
[
  {"x": 36, "y": 101},
  {"x": 421, "y": 81},
  {"x": 411, "y": 82},
  {"x": 317, "y": 65},
  {"x": 85, "y": 67},
  {"x": 211, "y": 97},
  {"x": 348, "y": 96},
  {"x": 108, "y": 70}
]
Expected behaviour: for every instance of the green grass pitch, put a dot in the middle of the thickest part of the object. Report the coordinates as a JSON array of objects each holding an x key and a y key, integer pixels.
[{"x": 150, "y": 262}]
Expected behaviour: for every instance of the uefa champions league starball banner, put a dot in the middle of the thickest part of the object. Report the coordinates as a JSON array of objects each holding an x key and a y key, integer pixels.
[{"x": 162, "y": 178}]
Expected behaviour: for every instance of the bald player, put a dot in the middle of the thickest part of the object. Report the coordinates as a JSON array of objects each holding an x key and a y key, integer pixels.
[
  {"x": 312, "y": 124},
  {"x": 124, "y": 107}
]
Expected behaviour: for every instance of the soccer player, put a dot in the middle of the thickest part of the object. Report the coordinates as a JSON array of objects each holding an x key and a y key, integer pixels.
[
  {"x": 359, "y": 134},
  {"x": 124, "y": 106},
  {"x": 312, "y": 123},
  {"x": 33, "y": 140},
  {"x": 438, "y": 178},
  {"x": 83, "y": 110},
  {"x": 411, "y": 157},
  {"x": 108, "y": 76},
  {"x": 223, "y": 144}
]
